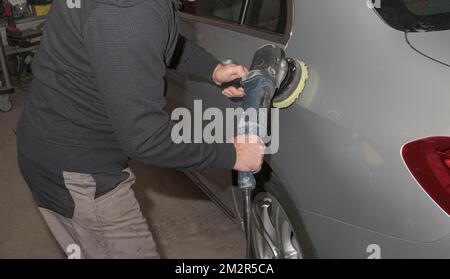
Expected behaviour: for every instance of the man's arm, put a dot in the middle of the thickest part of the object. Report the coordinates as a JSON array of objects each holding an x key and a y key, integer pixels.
[
  {"x": 192, "y": 59},
  {"x": 126, "y": 47}
]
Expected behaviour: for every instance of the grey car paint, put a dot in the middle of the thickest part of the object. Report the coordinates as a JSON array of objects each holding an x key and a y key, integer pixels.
[
  {"x": 433, "y": 44},
  {"x": 369, "y": 93}
]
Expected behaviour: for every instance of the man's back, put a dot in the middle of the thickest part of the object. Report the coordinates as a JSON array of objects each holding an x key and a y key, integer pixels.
[
  {"x": 88, "y": 83},
  {"x": 64, "y": 106}
]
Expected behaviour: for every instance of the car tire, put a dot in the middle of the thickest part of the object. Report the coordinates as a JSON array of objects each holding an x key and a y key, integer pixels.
[{"x": 275, "y": 216}]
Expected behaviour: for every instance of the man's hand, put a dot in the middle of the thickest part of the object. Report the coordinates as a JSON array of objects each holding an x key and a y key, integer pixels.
[
  {"x": 226, "y": 73},
  {"x": 249, "y": 154}
]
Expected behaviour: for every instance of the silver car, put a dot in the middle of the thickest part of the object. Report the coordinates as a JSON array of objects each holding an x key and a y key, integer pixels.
[{"x": 363, "y": 169}]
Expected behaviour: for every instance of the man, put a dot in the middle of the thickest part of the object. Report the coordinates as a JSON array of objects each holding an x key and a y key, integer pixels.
[{"x": 96, "y": 101}]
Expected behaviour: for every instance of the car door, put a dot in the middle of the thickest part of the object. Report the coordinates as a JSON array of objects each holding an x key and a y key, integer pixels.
[{"x": 229, "y": 29}]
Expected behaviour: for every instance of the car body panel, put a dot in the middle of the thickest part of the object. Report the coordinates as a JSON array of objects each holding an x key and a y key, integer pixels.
[
  {"x": 433, "y": 44},
  {"x": 335, "y": 239},
  {"x": 369, "y": 93}
]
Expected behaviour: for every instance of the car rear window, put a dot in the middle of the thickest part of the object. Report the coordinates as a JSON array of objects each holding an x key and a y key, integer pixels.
[
  {"x": 267, "y": 15},
  {"x": 228, "y": 10},
  {"x": 416, "y": 15}
]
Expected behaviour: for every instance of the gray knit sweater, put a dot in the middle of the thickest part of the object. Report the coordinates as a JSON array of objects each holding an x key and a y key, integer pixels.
[{"x": 97, "y": 98}]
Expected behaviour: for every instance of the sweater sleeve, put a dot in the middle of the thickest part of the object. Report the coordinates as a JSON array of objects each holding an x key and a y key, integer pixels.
[{"x": 127, "y": 51}]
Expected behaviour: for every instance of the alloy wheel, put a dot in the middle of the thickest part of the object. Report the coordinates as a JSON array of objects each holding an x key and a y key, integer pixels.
[{"x": 273, "y": 236}]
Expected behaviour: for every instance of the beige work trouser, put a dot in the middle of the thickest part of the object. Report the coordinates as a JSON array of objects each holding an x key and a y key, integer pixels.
[{"x": 111, "y": 226}]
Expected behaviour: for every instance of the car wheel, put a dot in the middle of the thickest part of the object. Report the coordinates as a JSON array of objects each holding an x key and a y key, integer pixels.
[
  {"x": 5, "y": 103},
  {"x": 276, "y": 229}
]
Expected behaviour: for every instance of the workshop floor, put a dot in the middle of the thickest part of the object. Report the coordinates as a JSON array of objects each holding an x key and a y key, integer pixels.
[{"x": 184, "y": 222}]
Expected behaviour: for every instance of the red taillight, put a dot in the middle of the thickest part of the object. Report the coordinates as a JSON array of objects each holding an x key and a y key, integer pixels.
[
  {"x": 446, "y": 156},
  {"x": 447, "y": 163},
  {"x": 429, "y": 162}
]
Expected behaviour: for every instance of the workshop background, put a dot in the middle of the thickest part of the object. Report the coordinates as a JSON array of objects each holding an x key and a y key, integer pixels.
[{"x": 184, "y": 222}]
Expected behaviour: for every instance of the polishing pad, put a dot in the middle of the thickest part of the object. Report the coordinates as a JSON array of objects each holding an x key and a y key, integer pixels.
[{"x": 293, "y": 84}]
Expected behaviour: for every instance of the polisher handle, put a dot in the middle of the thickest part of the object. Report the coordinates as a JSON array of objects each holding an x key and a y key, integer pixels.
[
  {"x": 237, "y": 83},
  {"x": 259, "y": 93}
]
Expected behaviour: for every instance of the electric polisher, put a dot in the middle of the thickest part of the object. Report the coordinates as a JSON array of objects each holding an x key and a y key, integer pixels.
[{"x": 274, "y": 80}]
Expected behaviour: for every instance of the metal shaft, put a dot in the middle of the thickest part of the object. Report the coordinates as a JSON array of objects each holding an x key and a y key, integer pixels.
[{"x": 248, "y": 217}]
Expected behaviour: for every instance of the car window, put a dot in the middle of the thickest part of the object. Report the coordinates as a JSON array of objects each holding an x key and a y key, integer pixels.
[
  {"x": 228, "y": 10},
  {"x": 267, "y": 15}
]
